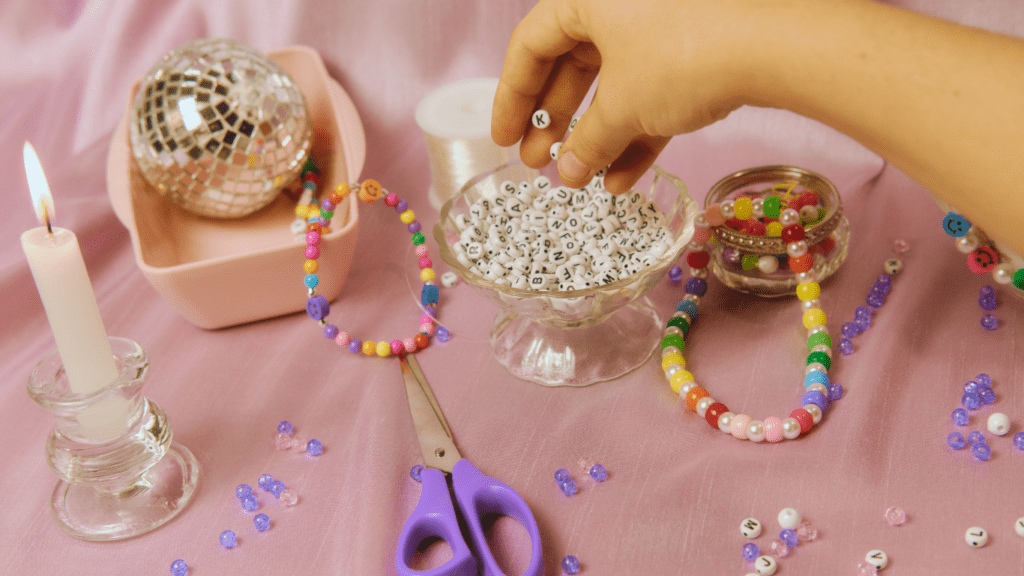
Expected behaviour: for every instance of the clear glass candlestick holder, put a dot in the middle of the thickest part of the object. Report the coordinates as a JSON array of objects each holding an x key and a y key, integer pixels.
[{"x": 120, "y": 475}]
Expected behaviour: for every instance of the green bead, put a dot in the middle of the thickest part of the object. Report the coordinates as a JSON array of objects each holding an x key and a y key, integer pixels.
[
  {"x": 1018, "y": 279},
  {"x": 821, "y": 358},
  {"x": 749, "y": 261},
  {"x": 819, "y": 339},
  {"x": 327, "y": 215},
  {"x": 310, "y": 166},
  {"x": 772, "y": 206},
  {"x": 418, "y": 238},
  {"x": 673, "y": 340},
  {"x": 679, "y": 323}
]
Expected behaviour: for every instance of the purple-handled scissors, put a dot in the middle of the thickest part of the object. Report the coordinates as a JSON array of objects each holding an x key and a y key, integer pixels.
[{"x": 477, "y": 495}]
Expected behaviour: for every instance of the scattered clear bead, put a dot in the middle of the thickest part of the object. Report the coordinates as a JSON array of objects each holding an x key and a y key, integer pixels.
[
  {"x": 778, "y": 548},
  {"x": 228, "y": 539},
  {"x": 989, "y": 322},
  {"x": 261, "y": 522},
  {"x": 283, "y": 441},
  {"x": 895, "y": 515},
  {"x": 314, "y": 447},
  {"x": 179, "y": 568},
  {"x": 585, "y": 464},
  {"x": 845, "y": 346},
  {"x": 571, "y": 564},
  {"x": 961, "y": 417},
  {"x": 789, "y": 537},
  {"x": 750, "y": 551},
  {"x": 900, "y": 245},
  {"x": 289, "y": 497},
  {"x": 415, "y": 472},
  {"x": 981, "y": 451},
  {"x": 807, "y": 532},
  {"x": 956, "y": 440},
  {"x": 866, "y": 569},
  {"x": 299, "y": 443},
  {"x": 285, "y": 427},
  {"x": 243, "y": 490},
  {"x": 597, "y": 472}
]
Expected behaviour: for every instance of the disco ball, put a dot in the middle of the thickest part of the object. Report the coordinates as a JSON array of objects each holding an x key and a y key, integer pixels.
[{"x": 219, "y": 128}]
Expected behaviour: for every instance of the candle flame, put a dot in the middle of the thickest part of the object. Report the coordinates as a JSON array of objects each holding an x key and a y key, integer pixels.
[{"x": 42, "y": 201}]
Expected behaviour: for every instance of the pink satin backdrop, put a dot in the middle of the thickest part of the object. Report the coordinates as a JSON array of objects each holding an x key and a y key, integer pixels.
[{"x": 677, "y": 490}]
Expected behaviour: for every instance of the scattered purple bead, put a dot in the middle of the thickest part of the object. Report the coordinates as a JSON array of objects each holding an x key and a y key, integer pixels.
[
  {"x": 975, "y": 437},
  {"x": 315, "y": 447},
  {"x": 285, "y": 427},
  {"x": 442, "y": 334},
  {"x": 971, "y": 401},
  {"x": 988, "y": 396},
  {"x": 845, "y": 346},
  {"x": 983, "y": 380},
  {"x": 750, "y": 551},
  {"x": 249, "y": 503},
  {"x": 266, "y": 481},
  {"x": 415, "y": 472},
  {"x": 675, "y": 274},
  {"x": 789, "y": 536},
  {"x": 1018, "y": 440},
  {"x": 835, "y": 391},
  {"x": 597, "y": 472},
  {"x": 972, "y": 387},
  {"x": 987, "y": 290},
  {"x": 179, "y": 568},
  {"x": 961, "y": 417},
  {"x": 228, "y": 539},
  {"x": 568, "y": 487},
  {"x": 261, "y": 522},
  {"x": 988, "y": 303},
  {"x": 561, "y": 475},
  {"x": 981, "y": 451},
  {"x": 571, "y": 564},
  {"x": 989, "y": 322},
  {"x": 956, "y": 440},
  {"x": 276, "y": 488},
  {"x": 243, "y": 490}
]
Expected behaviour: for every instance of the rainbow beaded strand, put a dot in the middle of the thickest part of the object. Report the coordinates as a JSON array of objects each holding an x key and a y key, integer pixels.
[
  {"x": 982, "y": 254},
  {"x": 815, "y": 399},
  {"x": 318, "y": 218}
]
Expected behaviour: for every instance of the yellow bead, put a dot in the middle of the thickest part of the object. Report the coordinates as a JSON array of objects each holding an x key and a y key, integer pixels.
[
  {"x": 313, "y": 211},
  {"x": 310, "y": 266},
  {"x": 342, "y": 189},
  {"x": 407, "y": 217},
  {"x": 773, "y": 229},
  {"x": 302, "y": 211},
  {"x": 369, "y": 347},
  {"x": 427, "y": 274},
  {"x": 673, "y": 358},
  {"x": 814, "y": 317},
  {"x": 808, "y": 291},
  {"x": 383, "y": 349},
  {"x": 678, "y": 379},
  {"x": 743, "y": 208}
]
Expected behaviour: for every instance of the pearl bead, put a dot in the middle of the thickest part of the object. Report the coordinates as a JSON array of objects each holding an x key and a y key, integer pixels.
[
  {"x": 814, "y": 411},
  {"x": 790, "y": 428},
  {"x": 685, "y": 388},
  {"x": 673, "y": 330},
  {"x": 683, "y": 315},
  {"x": 815, "y": 367},
  {"x": 796, "y": 249},
  {"x": 788, "y": 217},
  {"x": 819, "y": 387},
  {"x": 699, "y": 272},
  {"x": 809, "y": 213},
  {"x": 998, "y": 424},
  {"x": 789, "y": 518},
  {"x": 820, "y": 329},
  {"x": 806, "y": 305},
  {"x": 672, "y": 369},
  {"x": 755, "y": 431},
  {"x": 701, "y": 220},
  {"x": 967, "y": 244},
  {"x": 728, "y": 209},
  {"x": 1019, "y": 527},
  {"x": 823, "y": 348},
  {"x": 692, "y": 298},
  {"x": 1003, "y": 273},
  {"x": 802, "y": 277},
  {"x": 738, "y": 426},
  {"x": 768, "y": 264},
  {"x": 725, "y": 422},
  {"x": 758, "y": 207},
  {"x": 702, "y": 405},
  {"x": 670, "y": 350}
]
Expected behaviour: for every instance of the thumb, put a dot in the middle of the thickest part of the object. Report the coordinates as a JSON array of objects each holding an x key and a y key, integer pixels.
[{"x": 593, "y": 144}]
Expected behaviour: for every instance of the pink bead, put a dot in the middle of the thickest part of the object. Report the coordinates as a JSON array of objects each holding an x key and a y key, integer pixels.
[
  {"x": 312, "y": 252},
  {"x": 428, "y": 329},
  {"x": 342, "y": 339},
  {"x": 425, "y": 262},
  {"x": 773, "y": 429},
  {"x": 397, "y": 347},
  {"x": 806, "y": 532},
  {"x": 289, "y": 497},
  {"x": 409, "y": 344},
  {"x": 299, "y": 443},
  {"x": 701, "y": 235},
  {"x": 426, "y": 319},
  {"x": 714, "y": 215},
  {"x": 866, "y": 569},
  {"x": 738, "y": 426},
  {"x": 390, "y": 200},
  {"x": 895, "y": 516},
  {"x": 283, "y": 441},
  {"x": 778, "y": 548},
  {"x": 422, "y": 251},
  {"x": 312, "y": 238}
]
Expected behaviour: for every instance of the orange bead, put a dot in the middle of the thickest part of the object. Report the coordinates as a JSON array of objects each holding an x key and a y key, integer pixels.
[
  {"x": 314, "y": 227},
  {"x": 369, "y": 347},
  {"x": 802, "y": 263},
  {"x": 310, "y": 266},
  {"x": 341, "y": 190},
  {"x": 421, "y": 340},
  {"x": 370, "y": 191},
  {"x": 694, "y": 396}
]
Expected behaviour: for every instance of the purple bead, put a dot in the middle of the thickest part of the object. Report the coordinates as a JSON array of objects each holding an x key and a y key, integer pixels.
[
  {"x": 960, "y": 417},
  {"x": 261, "y": 522},
  {"x": 862, "y": 312},
  {"x": 571, "y": 564},
  {"x": 750, "y": 551},
  {"x": 883, "y": 279},
  {"x": 988, "y": 396},
  {"x": 835, "y": 391},
  {"x": 972, "y": 387},
  {"x": 266, "y": 481},
  {"x": 597, "y": 472},
  {"x": 675, "y": 274},
  {"x": 415, "y": 472},
  {"x": 875, "y": 301},
  {"x": 975, "y": 437},
  {"x": 327, "y": 205},
  {"x": 981, "y": 451},
  {"x": 179, "y": 568},
  {"x": 442, "y": 334},
  {"x": 789, "y": 537},
  {"x": 415, "y": 226},
  {"x": 561, "y": 475},
  {"x": 845, "y": 346},
  {"x": 330, "y": 331},
  {"x": 285, "y": 427},
  {"x": 988, "y": 291},
  {"x": 983, "y": 380},
  {"x": 314, "y": 448},
  {"x": 849, "y": 329},
  {"x": 318, "y": 308},
  {"x": 228, "y": 539},
  {"x": 243, "y": 490},
  {"x": 955, "y": 440},
  {"x": 987, "y": 302},
  {"x": 276, "y": 488},
  {"x": 401, "y": 206},
  {"x": 971, "y": 401},
  {"x": 1018, "y": 440},
  {"x": 862, "y": 324},
  {"x": 814, "y": 397},
  {"x": 355, "y": 346},
  {"x": 731, "y": 255},
  {"x": 989, "y": 322},
  {"x": 249, "y": 503},
  {"x": 568, "y": 487},
  {"x": 696, "y": 286}
]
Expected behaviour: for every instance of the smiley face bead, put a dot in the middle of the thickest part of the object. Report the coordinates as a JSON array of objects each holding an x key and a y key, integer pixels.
[
  {"x": 976, "y": 537},
  {"x": 955, "y": 225}
]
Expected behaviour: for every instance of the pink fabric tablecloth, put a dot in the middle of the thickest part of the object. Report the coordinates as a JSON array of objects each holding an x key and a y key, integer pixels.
[{"x": 677, "y": 490}]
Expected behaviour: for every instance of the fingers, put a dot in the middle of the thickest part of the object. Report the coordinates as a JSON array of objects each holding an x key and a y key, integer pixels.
[
  {"x": 635, "y": 160},
  {"x": 598, "y": 139}
]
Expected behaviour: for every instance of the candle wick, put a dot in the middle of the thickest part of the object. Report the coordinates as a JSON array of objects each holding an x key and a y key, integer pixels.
[{"x": 46, "y": 218}]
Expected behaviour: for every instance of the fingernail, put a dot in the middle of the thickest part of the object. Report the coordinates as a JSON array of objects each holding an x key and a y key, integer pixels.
[{"x": 570, "y": 167}]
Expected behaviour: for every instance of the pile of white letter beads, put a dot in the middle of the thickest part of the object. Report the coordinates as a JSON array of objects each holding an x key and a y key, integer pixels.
[{"x": 536, "y": 236}]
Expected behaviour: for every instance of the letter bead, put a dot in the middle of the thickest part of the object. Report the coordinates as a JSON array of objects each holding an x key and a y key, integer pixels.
[
  {"x": 750, "y": 528},
  {"x": 877, "y": 558},
  {"x": 541, "y": 119}
]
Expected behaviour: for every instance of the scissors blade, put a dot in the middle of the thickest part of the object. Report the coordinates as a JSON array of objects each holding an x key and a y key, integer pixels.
[{"x": 431, "y": 428}]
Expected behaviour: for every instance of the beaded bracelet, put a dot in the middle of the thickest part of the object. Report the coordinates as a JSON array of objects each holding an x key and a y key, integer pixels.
[
  {"x": 982, "y": 254},
  {"x": 816, "y": 397},
  {"x": 318, "y": 218}
]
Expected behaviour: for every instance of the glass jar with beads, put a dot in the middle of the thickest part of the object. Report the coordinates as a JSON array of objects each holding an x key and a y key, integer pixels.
[{"x": 753, "y": 215}]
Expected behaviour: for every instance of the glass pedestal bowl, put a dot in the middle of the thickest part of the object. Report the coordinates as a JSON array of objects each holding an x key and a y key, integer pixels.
[{"x": 574, "y": 337}]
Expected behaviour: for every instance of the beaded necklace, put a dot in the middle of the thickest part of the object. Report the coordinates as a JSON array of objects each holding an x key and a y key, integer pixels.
[
  {"x": 318, "y": 220},
  {"x": 815, "y": 399},
  {"x": 982, "y": 255}
]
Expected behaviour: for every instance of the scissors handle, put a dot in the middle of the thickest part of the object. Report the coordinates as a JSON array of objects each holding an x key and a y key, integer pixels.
[
  {"x": 479, "y": 495},
  {"x": 434, "y": 517}
]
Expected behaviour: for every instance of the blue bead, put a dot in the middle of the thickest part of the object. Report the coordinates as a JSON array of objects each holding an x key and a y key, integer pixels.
[
  {"x": 815, "y": 377},
  {"x": 318, "y": 308},
  {"x": 989, "y": 322},
  {"x": 261, "y": 522},
  {"x": 814, "y": 397},
  {"x": 415, "y": 472},
  {"x": 981, "y": 451},
  {"x": 228, "y": 539},
  {"x": 243, "y": 490},
  {"x": 862, "y": 312},
  {"x": 955, "y": 440},
  {"x": 266, "y": 481},
  {"x": 568, "y": 487},
  {"x": 845, "y": 346},
  {"x": 311, "y": 280},
  {"x": 179, "y": 568},
  {"x": 955, "y": 225},
  {"x": 675, "y": 274},
  {"x": 750, "y": 551},
  {"x": 429, "y": 294},
  {"x": 285, "y": 427},
  {"x": 1018, "y": 440},
  {"x": 442, "y": 334},
  {"x": 835, "y": 392},
  {"x": 988, "y": 302},
  {"x": 597, "y": 472},
  {"x": 789, "y": 537},
  {"x": 983, "y": 380},
  {"x": 249, "y": 503},
  {"x": 975, "y": 437},
  {"x": 849, "y": 329},
  {"x": 690, "y": 308},
  {"x": 276, "y": 488},
  {"x": 961, "y": 417},
  {"x": 571, "y": 564},
  {"x": 696, "y": 286},
  {"x": 988, "y": 396},
  {"x": 314, "y": 447},
  {"x": 561, "y": 475},
  {"x": 971, "y": 401}
]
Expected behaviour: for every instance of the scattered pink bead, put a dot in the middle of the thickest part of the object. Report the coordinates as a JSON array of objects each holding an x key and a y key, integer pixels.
[
  {"x": 299, "y": 443},
  {"x": 283, "y": 441},
  {"x": 895, "y": 516},
  {"x": 586, "y": 464},
  {"x": 900, "y": 245},
  {"x": 422, "y": 251},
  {"x": 342, "y": 339},
  {"x": 409, "y": 344},
  {"x": 866, "y": 569},
  {"x": 806, "y": 532},
  {"x": 289, "y": 497},
  {"x": 312, "y": 252},
  {"x": 397, "y": 347},
  {"x": 773, "y": 429},
  {"x": 778, "y": 548}
]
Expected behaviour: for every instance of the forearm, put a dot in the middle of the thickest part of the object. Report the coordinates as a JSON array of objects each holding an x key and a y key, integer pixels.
[{"x": 942, "y": 102}]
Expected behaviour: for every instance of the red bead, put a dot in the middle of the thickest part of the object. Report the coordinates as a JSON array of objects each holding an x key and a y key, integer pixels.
[
  {"x": 311, "y": 177},
  {"x": 390, "y": 200},
  {"x": 793, "y": 233},
  {"x": 713, "y": 412},
  {"x": 335, "y": 198},
  {"x": 421, "y": 340},
  {"x": 824, "y": 247},
  {"x": 801, "y": 263},
  {"x": 735, "y": 223},
  {"x": 754, "y": 228},
  {"x": 804, "y": 418},
  {"x": 698, "y": 259},
  {"x": 808, "y": 198}
]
